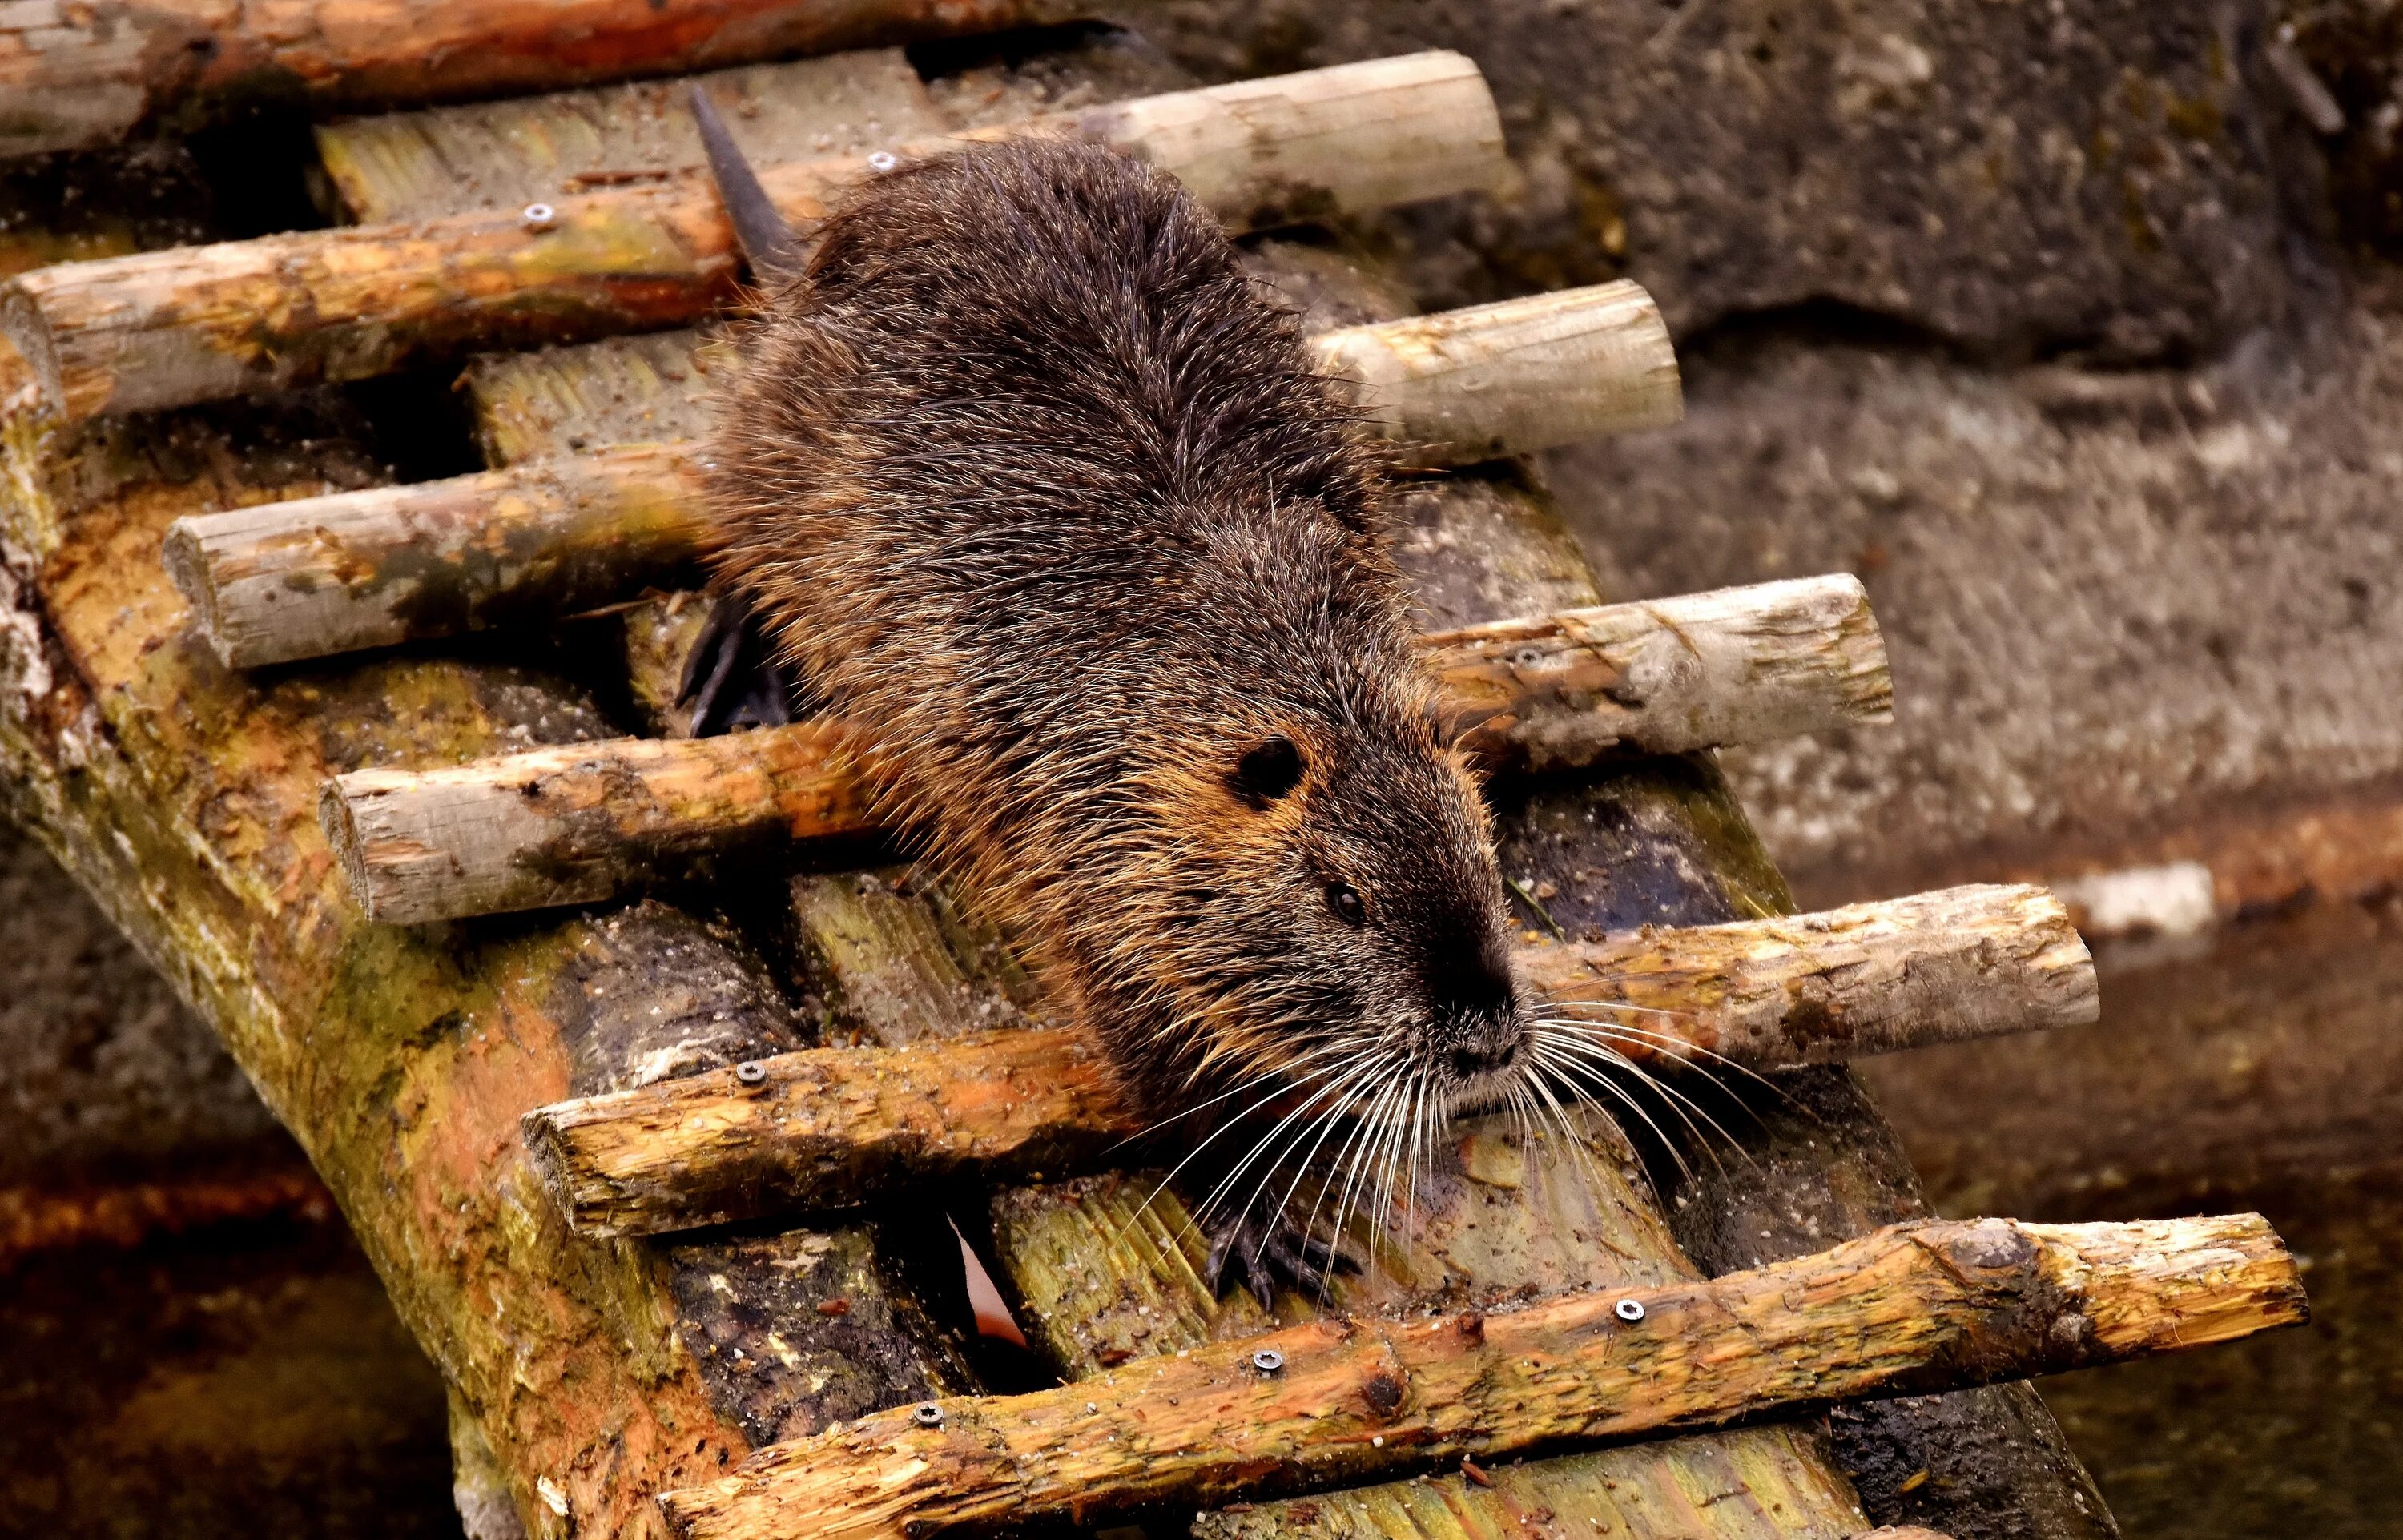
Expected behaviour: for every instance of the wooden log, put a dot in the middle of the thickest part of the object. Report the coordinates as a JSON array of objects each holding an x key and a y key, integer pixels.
[
  {"x": 579, "y": 822},
  {"x": 1743, "y": 665},
  {"x": 396, "y": 564},
  {"x": 80, "y": 76},
  {"x": 1978, "y": 960},
  {"x": 1514, "y": 377},
  {"x": 825, "y": 1128},
  {"x": 828, "y": 1128},
  {"x": 524, "y": 831},
  {"x": 390, "y": 564},
  {"x": 1924, "y": 1305},
  {"x": 167, "y": 328}
]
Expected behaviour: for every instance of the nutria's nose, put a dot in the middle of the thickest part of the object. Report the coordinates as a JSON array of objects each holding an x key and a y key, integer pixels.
[{"x": 1471, "y": 1060}]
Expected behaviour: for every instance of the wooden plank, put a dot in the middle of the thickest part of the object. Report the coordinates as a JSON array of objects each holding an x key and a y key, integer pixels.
[
  {"x": 76, "y": 76},
  {"x": 1929, "y": 1304},
  {"x": 379, "y": 568},
  {"x": 169, "y": 328},
  {"x": 653, "y": 388},
  {"x": 834, "y": 1127},
  {"x": 540, "y": 828},
  {"x": 1743, "y": 1484},
  {"x": 531, "y": 149}
]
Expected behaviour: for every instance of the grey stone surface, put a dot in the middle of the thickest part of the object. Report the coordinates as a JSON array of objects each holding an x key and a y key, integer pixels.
[
  {"x": 2113, "y": 602},
  {"x": 2112, "y": 178},
  {"x": 105, "y": 1067}
]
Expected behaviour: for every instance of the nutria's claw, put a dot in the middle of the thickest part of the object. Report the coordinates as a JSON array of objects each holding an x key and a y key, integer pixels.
[{"x": 1265, "y": 1250}]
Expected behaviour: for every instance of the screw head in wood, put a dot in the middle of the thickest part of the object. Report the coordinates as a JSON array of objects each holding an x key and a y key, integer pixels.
[
  {"x": 882, "y": 160},
  {"x": 927, "y": 1415},
  {"x": 539, "y": 217},
  {"x": 751, "y": 1072},
  {"x": 1628, "y": 1309},
  {"x": 1268, "y": 1360}
]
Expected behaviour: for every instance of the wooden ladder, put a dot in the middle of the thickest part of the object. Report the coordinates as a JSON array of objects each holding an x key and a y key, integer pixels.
[{"x": 174, "y": 740}]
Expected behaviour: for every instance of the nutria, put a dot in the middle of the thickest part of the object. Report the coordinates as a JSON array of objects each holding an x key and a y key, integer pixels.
[{"x": 1024, "y": 477}]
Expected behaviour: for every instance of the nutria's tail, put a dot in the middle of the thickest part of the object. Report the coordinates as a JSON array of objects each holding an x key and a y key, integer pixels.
[
  {"x": 732, "y": 679},
  {"x": 768, "y": 243}
]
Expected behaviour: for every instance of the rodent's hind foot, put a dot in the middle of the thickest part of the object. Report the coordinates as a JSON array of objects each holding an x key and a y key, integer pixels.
[
  {"x": 733, "y": 679},
  {"x": 1263, "y": 1250}
]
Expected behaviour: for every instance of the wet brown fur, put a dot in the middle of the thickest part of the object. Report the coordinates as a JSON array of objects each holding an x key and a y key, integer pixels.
[{"x": 1026, "y": 480}]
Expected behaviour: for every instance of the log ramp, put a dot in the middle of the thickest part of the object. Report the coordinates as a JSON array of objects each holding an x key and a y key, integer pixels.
[{"x": 590, "y": 1374}]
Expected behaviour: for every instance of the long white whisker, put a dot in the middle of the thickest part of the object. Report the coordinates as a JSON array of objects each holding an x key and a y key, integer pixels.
[
  {"x": 1678, "y": 1047},
  {"x": 1569, "y": 1071},
  {"x": 1679, "y": 1101}
]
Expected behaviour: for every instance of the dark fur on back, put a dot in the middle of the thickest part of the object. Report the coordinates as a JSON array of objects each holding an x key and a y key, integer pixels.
[{"x": 1030, "y": 483}]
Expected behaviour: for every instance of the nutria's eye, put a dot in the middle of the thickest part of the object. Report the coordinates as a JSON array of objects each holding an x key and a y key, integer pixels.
[
  {"x": 1267, "y": 771},
  {"x": 1344, "y": 899}
]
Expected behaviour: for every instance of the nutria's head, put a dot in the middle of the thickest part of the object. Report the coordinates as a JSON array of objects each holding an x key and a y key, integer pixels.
[
  {"x": 1362, "y": 927},
  {"x": 1308, "y": 876}
]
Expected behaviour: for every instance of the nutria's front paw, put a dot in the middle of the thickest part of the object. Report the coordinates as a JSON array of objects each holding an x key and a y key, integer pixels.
[{"x": 1263, "y": 1250}]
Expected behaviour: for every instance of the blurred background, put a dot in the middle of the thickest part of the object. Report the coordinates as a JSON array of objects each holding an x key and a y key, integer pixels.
[{"x": 2070, "y": 326}]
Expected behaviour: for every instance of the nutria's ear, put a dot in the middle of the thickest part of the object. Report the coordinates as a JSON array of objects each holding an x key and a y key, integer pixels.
[{"x": 1268, "y": 772}]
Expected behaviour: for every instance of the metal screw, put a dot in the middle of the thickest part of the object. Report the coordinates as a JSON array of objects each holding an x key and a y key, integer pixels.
[
  {"x": 751, "y": 1072},
  {"x": 1268, "y": 1360},
  {"x": 1628, "y": 1309},
  {"x": 928, "y": 1415},
  {"x": 882, "y": 160},
  {"x": 539, "y": 216}
]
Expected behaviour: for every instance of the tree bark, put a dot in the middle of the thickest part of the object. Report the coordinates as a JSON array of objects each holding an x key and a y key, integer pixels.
[
  {"x": 1929, "y": 1304},
  {"x": 829, "y": 1127},
  {"x": 197, "y": 324},
  {"x": 548, "y": 826},
  {"x": 77, "y": 77},
  {"x": 377, "y": 568}
]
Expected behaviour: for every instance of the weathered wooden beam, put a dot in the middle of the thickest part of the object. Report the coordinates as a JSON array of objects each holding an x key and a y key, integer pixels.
[
  {"x": 78, "y": 76},
  {"x": 827, "y": 1127},
  {"x": 529, "y": 149},
  {"x": 197, "y": 323},
  {"x": 409, "y": 563},
  {"x": 546, "y": 827},
  {"x": 1930, "y": 1304},
  {"x": 322, "y": 575},
  {"x": 579, "y": 822}
]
